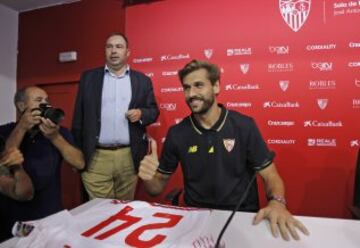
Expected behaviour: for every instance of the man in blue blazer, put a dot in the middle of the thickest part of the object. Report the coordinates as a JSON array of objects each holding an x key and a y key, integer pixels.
[{"x": 114, "y": 105}]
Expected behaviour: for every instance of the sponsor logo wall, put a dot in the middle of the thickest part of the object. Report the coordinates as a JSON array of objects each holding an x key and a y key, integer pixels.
[{"x": 293, "y": 65}]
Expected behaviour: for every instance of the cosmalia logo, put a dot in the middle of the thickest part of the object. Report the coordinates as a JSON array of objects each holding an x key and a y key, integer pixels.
[
  {"x": 284, "y": 84},
  {"x": 354, "y": 44},
  {"x": 295, "y": 12},
  {"x": 354, "y": 64},
  {"x": 316, "y": 123},
  {"x": 244, "y": 68},
  {"x": 316, "y": 47},
  {"x": 171, "y": 89},
  {"x": 208, "y": 53},
  {"x": 321, "y": 142},
  {"x": 279, "y": 49},
  {"x": 322, "y": 66},
  {"x": 281, "y": 141},
  {"x": 322, "y": 103},
  {"x": 168, "y": 106},
  {"x": 275, "y": 104}
]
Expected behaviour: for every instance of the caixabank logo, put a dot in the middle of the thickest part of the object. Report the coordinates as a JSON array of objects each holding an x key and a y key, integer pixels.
[{"x": 295, "y": 12}]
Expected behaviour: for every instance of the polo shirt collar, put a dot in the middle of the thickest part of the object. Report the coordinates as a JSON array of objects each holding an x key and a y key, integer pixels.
[{"x": 216, "y": 127}]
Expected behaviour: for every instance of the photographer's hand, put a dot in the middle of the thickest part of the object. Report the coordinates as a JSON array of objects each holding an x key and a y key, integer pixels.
[
  {"x": 11, "y": 156},
  {"x": 49, "y": 129},
  {"x": 29, "y": 119}
]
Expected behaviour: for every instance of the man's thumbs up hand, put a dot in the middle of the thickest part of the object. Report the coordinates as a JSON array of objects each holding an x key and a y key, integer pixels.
[{"x": 150, "y": 163}]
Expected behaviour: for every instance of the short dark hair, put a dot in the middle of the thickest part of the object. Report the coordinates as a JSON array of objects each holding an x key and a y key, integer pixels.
[
  {"x": 194, "y": 65},
  {"x": 119, "y": 34},
  {"x": 20, "y": 95}
]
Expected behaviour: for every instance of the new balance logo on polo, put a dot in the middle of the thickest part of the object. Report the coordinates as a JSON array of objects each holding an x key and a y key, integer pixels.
[{"x": 192, "y": 149}]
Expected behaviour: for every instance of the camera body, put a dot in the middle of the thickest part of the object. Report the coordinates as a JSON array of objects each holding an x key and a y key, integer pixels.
[{"x": 56, "y": 115}]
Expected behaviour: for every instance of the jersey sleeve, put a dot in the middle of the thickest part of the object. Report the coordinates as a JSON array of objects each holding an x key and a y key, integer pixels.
[
  {"x": 169, "y": 157},
  {"x": 259, "y": 155}
]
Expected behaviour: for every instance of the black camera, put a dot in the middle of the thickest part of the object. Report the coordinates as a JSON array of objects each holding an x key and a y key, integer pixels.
[{"x": 56, "y": 115}]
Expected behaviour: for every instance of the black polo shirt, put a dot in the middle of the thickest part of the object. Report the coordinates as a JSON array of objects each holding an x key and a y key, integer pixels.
[{"x": 217, "y": 163}]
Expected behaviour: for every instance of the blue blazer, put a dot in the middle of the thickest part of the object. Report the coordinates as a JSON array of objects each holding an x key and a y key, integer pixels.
[{"x": 87, "y": 114}]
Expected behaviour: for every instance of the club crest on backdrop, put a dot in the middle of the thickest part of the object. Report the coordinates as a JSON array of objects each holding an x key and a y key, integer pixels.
[{"x": 295, "y": 12}]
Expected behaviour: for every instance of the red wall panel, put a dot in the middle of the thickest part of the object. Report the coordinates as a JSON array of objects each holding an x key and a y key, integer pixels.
[{"x": 82, "y": 26}]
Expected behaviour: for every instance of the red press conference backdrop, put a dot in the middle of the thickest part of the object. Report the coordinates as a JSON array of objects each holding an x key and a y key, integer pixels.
[{"x": 292, "y": 65}]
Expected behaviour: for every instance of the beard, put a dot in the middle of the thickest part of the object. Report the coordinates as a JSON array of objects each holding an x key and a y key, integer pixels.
[{"x": 200, "y": 108}]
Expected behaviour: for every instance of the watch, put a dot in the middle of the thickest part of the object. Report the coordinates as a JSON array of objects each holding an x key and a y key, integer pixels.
[{"x": 277, "y": 198}]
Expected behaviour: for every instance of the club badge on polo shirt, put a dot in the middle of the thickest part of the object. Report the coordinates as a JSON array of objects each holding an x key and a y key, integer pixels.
[{"x": 229, "y": 144}]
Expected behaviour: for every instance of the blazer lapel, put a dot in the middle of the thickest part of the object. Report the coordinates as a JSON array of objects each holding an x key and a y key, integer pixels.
[
  {"x": 99, "y": 82},
  {"x": 134, "y": 88}
]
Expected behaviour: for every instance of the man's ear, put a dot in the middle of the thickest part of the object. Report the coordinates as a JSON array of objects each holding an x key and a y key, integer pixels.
[
  {"x": 216, "y": 87},
  {"x": 20, "y": 106}
]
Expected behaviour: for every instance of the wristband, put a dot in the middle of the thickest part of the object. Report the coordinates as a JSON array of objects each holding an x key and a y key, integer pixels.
[{"x": 278, "y": 199}]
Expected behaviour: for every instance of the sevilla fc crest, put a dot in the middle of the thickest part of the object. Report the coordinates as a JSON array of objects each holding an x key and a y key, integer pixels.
[
  {"x": 295, "y": 12},
  {"x": 229, "y": 144},
  {"x": 284, "y": 84},
  {"x": 208, "y": 53},
  {"x": 322, "y": 103},
  {"x": 244, "y": 68}
]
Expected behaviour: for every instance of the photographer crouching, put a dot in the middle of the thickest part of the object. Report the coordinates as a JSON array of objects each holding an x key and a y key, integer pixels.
[{"x": 44, "y": 144}]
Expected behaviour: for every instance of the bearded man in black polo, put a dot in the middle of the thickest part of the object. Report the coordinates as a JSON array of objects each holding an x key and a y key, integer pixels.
[{"x": 220, "y": 152}]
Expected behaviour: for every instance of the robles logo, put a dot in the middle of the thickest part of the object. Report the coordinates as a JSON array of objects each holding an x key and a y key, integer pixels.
[{"x": 295, "y": 12}]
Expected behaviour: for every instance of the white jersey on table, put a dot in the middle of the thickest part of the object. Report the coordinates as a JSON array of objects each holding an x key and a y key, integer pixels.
[{"x": 142, "y": 224}]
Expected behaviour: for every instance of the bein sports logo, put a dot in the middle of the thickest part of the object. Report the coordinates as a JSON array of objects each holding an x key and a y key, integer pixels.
[
  {"x": 168, "y": 106},
  {"x": 208, "y": 53},
  {"x": 279, "y": 49},
  {"x": 295, "y": 12},
  {"x": 322, "y": 103},
  {"x": 322, "y": 66}
]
